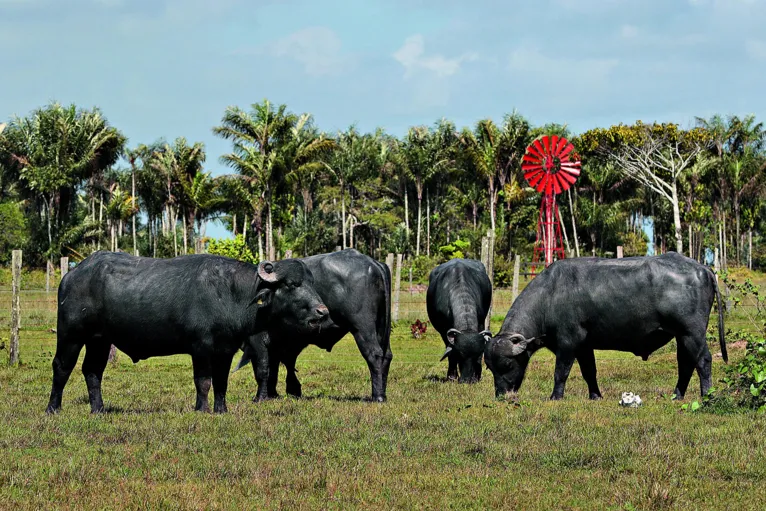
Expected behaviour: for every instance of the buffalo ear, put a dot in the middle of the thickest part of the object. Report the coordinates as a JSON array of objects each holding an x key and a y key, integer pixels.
[
  {"x": 451, "y": 334},
  {"x": 266, "y": 272},
  {"x": 487, "y": 336},
  {"x": 263, "y": 298}
]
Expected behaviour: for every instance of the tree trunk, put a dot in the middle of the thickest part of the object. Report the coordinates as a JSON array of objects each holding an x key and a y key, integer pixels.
[
  {"x": 420, "y": 209},
  {"x": 244, "y": 232},
  {"x": 234, "y": 224},
  {"x": 691, "y": 245},
  {"x": 593, "y": 241},
  {"x": 723, "y": 242},
  {"x": 133, "y": 203},
  {"x": 475, "y": 208},
  {"x": 270, "y": 229},
  {"x": 343, "y": 211},
  {"x": 186, "y": 245},
  {"x": 492, "y": 202},
  {"x": 739, "y": 239},
  {"x": 563, "y": 230},
  {"x": 574, "y": 225},
  {"x": 406, "y": 214},
  {"x": 677, "y": 219},
  {"x": 750, "y": 249},
  {"x": 428, "y": 224}
]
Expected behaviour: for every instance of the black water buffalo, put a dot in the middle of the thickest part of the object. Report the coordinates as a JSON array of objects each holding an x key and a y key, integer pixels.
[
  {"x": 202, "y": 305},
  {"x": 635, "y": 304},
  {"x": 357, "y": 291},
  {"x": 458, "y": 299}
]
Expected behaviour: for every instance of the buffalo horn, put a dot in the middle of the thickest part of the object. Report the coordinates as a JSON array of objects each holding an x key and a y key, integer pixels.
[{"x": 266, "y": 272}]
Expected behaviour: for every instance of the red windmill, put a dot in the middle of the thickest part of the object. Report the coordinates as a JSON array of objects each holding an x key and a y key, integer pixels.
[{"x": 551, "y": 167}]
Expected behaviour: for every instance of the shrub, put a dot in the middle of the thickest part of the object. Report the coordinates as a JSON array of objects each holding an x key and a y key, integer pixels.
[
  {"x": 455, "y": 250},
  {"x": 234, "y": 248},
  {"x": 744, "y": 384}
]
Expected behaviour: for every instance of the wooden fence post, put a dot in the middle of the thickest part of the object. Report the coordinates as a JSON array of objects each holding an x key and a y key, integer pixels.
[
  {"x": 484, "y": 250},
  {"x": 619, "y": 251},
  {"x": 337, "y": 248},
  {"x": 516, "y": 271},
  {"x": 397, "y": 286},
  {"x": 411, "y": 290},
  {"x": 390, "y": 264},
  {"x": 15, "y": 307},
  {"x": 64, "y": 267}
]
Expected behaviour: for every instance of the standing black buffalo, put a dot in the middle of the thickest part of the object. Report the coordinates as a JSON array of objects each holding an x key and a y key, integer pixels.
[
  {"x": 458, "y": 300},
  {"x": 357, "y": 291},
  {"x": 635, "y": 304},
  {"x": 201, "y": 305}
]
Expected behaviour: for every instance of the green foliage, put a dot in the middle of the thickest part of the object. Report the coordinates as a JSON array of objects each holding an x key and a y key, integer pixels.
[
  {"x": 234, "y": 248},
  {"x": 455, "y": 250},
  {"x": 13, "y": 230},
  {"x": 634, "y": 243},
  {"x": 422, "y": 266},
  {"x": 744, "y": 383}
]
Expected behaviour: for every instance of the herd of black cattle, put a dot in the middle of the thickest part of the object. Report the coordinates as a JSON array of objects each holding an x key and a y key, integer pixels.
[{"x": 210, "y": 307}]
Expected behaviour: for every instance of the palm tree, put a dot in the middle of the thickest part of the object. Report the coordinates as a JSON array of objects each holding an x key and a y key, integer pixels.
[
  {"x": 52, "y": 152},
  {"x": 352, "y": 155},
  {"x": 494, "y": 151},
  {"x": 265, "y": 129},
  {"x": 426, "y": 153}
]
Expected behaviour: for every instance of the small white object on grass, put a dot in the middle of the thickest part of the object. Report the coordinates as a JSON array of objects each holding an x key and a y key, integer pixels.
[{"x": 630, "y": 399}]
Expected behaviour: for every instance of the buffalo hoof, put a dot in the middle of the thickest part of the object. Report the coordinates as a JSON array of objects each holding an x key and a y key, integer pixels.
[
  {"x": 52, "y": 411},
  {"x": 260, "y": 399},
  {"x": 556, "y": 397},
  {"x": 98, "y": 411},
  {"x": 595, "y": 397},
  {"x": 379, "y": 399}
]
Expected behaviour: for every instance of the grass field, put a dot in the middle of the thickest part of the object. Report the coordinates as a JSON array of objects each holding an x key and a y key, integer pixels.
[{"x": 433, "y": 445}]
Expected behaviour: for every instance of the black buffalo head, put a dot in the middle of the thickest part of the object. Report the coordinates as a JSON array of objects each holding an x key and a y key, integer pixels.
[
  {"x": 286, "y": 297},
  {"x": 467, "y": 349},
  {"x": 507, "y": 356}
]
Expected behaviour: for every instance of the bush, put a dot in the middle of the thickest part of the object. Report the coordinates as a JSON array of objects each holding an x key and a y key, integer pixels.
[
  {"x": 455, "y": 250},
  {"x": 422, "y": 266},
  {"x": 744, "y": 384},
  {"x": 234, "y": 248}
]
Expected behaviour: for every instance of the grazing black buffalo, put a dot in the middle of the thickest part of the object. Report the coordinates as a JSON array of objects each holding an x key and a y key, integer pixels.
[
  {"x": 357, "y": 291},
  {"x": 203, "y": 305},
  {"x": 635, "y": 304},
  {"x": 458, "y": 299}
]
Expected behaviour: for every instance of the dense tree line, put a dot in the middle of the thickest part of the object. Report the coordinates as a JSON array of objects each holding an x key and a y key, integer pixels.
[{"x": 71, "y": 183}]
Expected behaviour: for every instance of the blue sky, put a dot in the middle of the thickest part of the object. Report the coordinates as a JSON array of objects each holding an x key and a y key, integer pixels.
[{"x": 168, "y": 68}]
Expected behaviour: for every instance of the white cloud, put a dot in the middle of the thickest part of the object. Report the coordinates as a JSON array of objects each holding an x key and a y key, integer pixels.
[
  {"x": 319, "y": 49},
  {"x": 412, "y": 57},
  {"x": 756, "y": 49}
]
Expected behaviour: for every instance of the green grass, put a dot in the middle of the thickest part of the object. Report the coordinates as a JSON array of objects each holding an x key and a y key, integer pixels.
[{"x": 433, "y": 445}]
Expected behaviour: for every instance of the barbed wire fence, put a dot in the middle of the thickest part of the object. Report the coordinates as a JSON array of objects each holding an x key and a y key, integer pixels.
[{"x": 28, "y": 308}]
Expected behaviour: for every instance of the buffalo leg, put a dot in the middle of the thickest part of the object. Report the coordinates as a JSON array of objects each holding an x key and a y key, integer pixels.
[
  {"x": 271, "y": 387},
  {"x": 386, "y": 366},
  {"x": 375, "y": 357},
  {"x": 564, "y": 362},
  {"x": 96, "y": 358},
  {"x": 202, "y": 380},
  {"x": 260, "y": 357},
  {"x": 586, "y": 359},
  {"x": 692, "y": 354},
  {"x": 292, "y": 385},
  {"x": 452, "y": 367},
  {"x": 221, "y": 366},
  {"x": 63, "y": 364}
]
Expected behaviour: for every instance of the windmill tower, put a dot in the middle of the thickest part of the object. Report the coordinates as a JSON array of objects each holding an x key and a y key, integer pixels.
[{"x": 550, "y": 167}]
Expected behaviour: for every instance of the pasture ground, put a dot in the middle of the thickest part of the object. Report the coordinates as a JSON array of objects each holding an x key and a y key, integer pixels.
[{"x": 433, "y": 445}]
